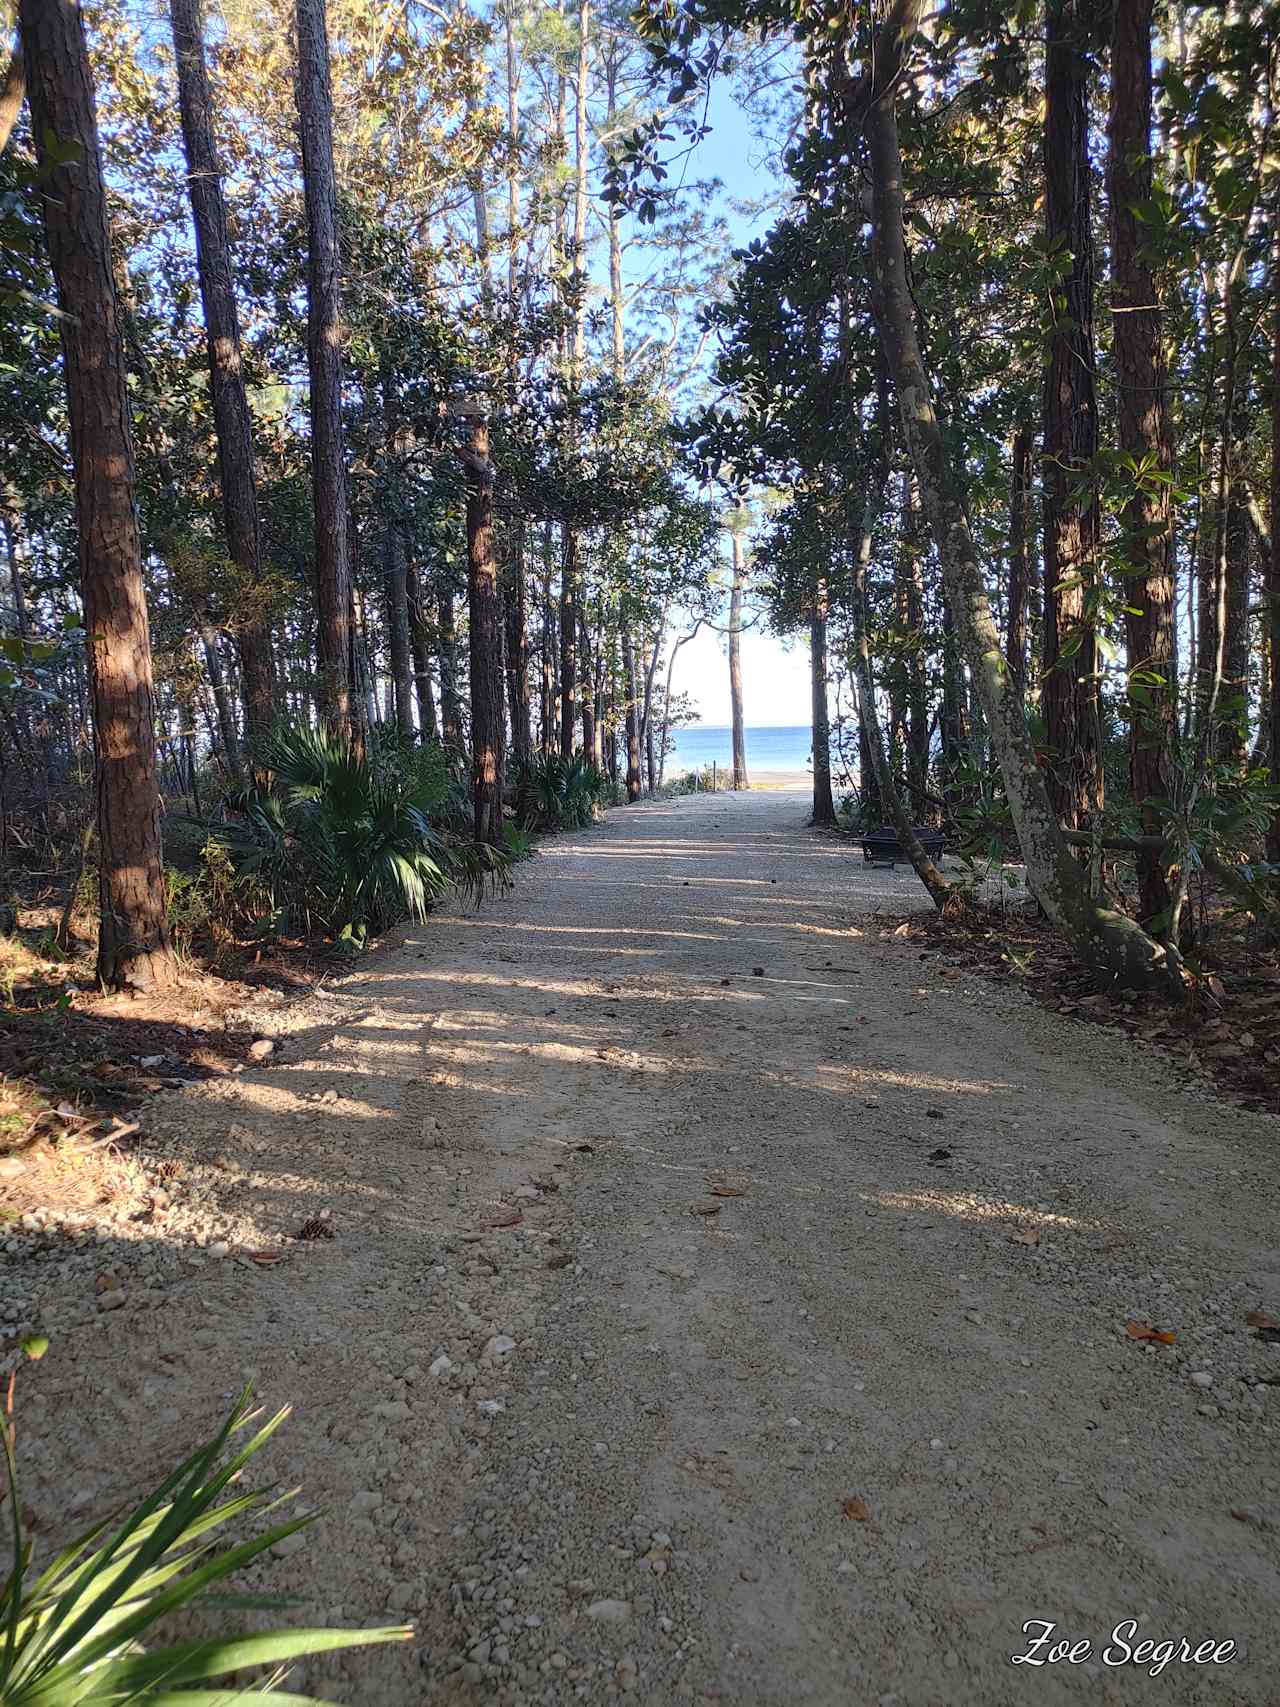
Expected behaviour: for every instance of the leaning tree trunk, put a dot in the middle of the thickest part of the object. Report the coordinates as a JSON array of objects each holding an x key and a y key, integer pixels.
[
  {"x": 735, "y": 667},
  {"x": 1071, "y": 516},
  {"x": 484, "y": 609},
  {"x": 324, "y": 352},
  {"x": 133, "y": 946},
  {"x": 232, "y": 421},
  {"x": 824, "y": 807},
  {"x": 1144, "y": 432},
  {"x": 1103, "y": 938}
]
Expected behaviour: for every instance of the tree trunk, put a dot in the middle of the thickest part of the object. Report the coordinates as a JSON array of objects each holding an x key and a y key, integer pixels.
[
  {"x": 324, "y": 351},
  {"x": 233, "y": 423},
  {"x": 420, "y": 646},
  {"x": 484, "y": 607},
  {"x": 227, "y": 731},
  {"x": 450, "y": 703},
  {"x": 1015, "y": 649},
  {"x": 824, "y": 808},
  {"x": 1273, "y": 558},
  {"x": 133, "y": 946},
  {"x": 1071, "y": 518},
  {"x": 395, "y": 555},
  {"x": 586, "y": 672},
  {"x": 935, "y": 883},
  {"x": 735, "y": 666},
  {"x": 517, "y": 618},
  {"x": 631, "y": 688},
  {"x": 568, "y": 639},
  {"x": 1232, "y": 733},
  {"x": 547, "y": 693},
  {"x": 1144, "y": 432},
  {"x": 1103, "y": 938}
]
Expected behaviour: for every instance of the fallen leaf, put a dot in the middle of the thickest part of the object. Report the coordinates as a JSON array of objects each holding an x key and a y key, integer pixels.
[
  {"x": 704, "y": 1209},
  {"x": 585, "y": 1149},
  {"x": 1027, "y": 1236},
  {"x": 512, "y": 1220},
  {"x": 1260, "y": 1319},
  {"x": 1143, "y": 1331},
  {"x": 35, "y": 1346},
  {"x": 105, "y": 1283},
  {"x": 264, "y": 1259},
  {"x": 855, "y": 1509},
  {"x": 726, "y": 1191}
]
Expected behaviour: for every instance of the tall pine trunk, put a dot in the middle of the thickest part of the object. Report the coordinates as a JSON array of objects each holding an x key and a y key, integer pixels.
[
  {"x": 1015, "y": 647},
  {"x": 484, "y": 609},
  {"x": 133, "y": 946},
  {"x": 568, "y": 638},
  {"x": 1104, "y": 939},
  {"x": 1273, "y": 558},
  {"x": 1145, "y": 434},
  {"x": 420, "y": 647},
  {"x": 1071, "y": 517},
  {"x": 450, "y": 701},
  {"x": 824, "y": 808},
  {"x": 735, "y": 666},
  {"x": 232, "y": 421},
  {"x": 631, "y": 711},
  {"x": 324, "y": 353}
]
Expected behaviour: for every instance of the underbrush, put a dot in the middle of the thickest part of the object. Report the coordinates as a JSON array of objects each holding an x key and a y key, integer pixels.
[{"x": 554, "y": 793}]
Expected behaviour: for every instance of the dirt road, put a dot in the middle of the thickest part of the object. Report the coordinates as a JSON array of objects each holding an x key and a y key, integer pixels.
[{"x": 834, "y": 1442}]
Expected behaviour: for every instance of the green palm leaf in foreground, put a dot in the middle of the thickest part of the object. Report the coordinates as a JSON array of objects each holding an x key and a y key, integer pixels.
[{"x": 73, "y": 1636}]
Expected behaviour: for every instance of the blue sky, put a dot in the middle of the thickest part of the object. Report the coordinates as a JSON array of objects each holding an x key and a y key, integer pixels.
[{"x": 775, "y": 675}]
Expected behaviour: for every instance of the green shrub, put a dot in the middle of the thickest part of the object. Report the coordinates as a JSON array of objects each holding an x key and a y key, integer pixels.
[
  {"x": 73, "y": 1636},
  {"x": 343, "y": 843},
  {"x": 554, "y": 793}
]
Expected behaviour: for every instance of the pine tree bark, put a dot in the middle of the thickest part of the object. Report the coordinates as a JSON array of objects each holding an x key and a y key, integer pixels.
[
  {"x": 1103, "y": 938},
  {"x": 1015, "y": 649},
  {"x": 824, "y": 808},
  {"x": 324, "y": 353},
  {"x": 1273, "y": 558},
  {"x": 484, "y": 610},
  {"x": 396, "y": 558},
  {"x": 450, "y": 702},
  {"x": 517, "y": 619},
  {"x": 420, "y": 639},
  {"x": 1070, "y": 433},
  {"x": 631, "y": 686},
  {"x": 935, "y": 883},
  {"x": 1144, "y": 433},
  {"x": 233, "y": 423},
  {"x": 1232, "y": 732},
  {"x": 133, "y": 946},
  {"x": 568, "y": 638},
  {"x": 735, "y": 666}
]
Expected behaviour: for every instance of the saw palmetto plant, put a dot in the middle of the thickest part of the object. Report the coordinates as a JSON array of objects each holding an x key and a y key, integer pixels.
[{"x": 79, "y": 1633}]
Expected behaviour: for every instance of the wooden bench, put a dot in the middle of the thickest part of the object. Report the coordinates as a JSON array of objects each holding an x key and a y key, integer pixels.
[{"x": 882, "y": 848}]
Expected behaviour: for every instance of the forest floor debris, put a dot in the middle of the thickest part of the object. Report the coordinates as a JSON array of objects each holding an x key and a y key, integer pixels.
[{"x": 1227, "y": 1036}]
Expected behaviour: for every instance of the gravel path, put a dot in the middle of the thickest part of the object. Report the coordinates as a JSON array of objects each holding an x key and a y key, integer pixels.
[{"x": 834, "y": 1442}]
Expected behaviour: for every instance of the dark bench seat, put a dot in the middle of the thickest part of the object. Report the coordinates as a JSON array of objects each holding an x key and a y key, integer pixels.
[{"x": 881, "y": 847}]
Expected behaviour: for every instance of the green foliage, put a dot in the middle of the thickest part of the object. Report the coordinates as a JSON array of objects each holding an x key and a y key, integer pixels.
[
  {"x": 343, "y": 843},
  {"x": 553, "y": 793},
  {"x": 75, "y": 1633}
]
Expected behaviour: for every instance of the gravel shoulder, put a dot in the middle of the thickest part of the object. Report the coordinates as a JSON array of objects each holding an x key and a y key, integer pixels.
[{"x": 833, "y": 1441}]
